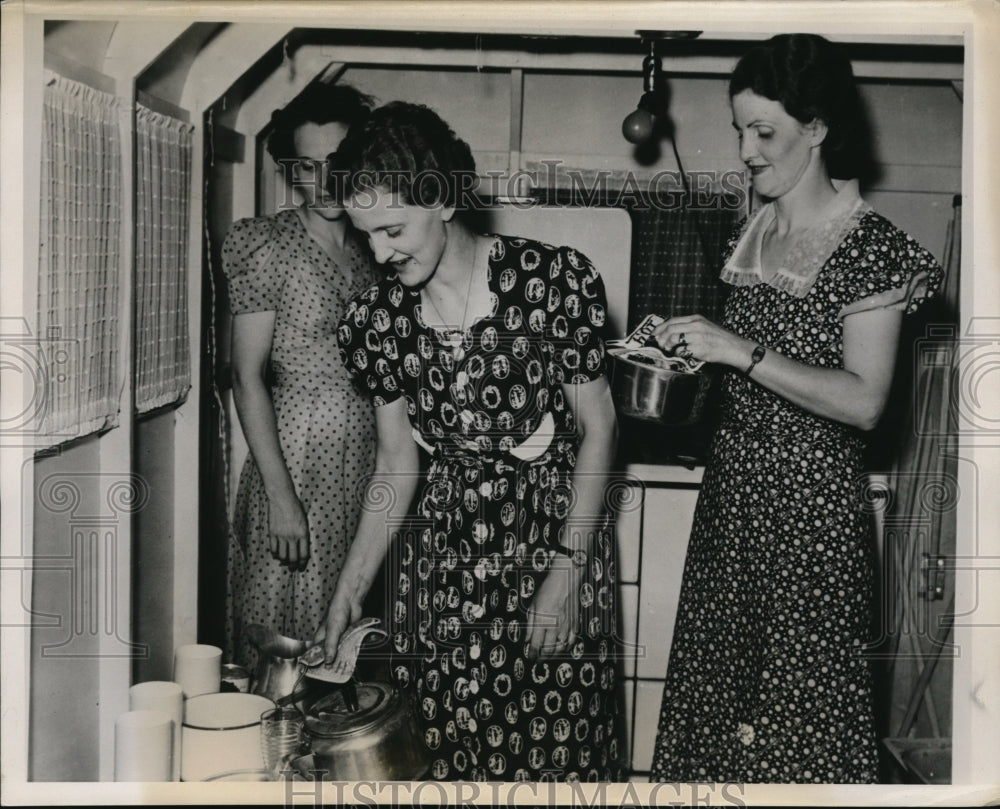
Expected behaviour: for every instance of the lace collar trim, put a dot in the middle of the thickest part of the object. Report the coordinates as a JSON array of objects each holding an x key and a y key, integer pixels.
[{"x": 809, "y": 254}]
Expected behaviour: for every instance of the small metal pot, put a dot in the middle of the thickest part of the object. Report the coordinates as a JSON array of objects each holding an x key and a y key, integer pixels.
[
  {"x": 378, "y": 741},
  {"x": 278, "y": 670},
  {"x": 644, "y": 390}
]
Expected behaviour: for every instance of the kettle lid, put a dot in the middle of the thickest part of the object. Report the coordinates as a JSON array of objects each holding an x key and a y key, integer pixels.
[{"x": 331, "y": 716}]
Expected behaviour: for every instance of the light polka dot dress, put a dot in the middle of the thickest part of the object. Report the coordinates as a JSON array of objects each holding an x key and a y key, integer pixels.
[
  {"x": 325, "y": 424},
  {"x": 766, "y": 680},
  {"x": 493, "y": 503}
]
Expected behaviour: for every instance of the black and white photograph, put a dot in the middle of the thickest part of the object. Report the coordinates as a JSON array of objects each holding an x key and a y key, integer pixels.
[{"x": 515, "y": 403}]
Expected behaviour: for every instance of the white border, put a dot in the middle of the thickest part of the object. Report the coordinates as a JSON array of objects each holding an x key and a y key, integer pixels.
[{"x": 977, "y": 700}]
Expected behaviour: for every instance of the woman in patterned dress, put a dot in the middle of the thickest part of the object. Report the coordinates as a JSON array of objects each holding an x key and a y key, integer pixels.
[
  {"x": 309, "y": 430},
  {"x": 486, "y": 351},
  {"x": 767, "y": 681}
]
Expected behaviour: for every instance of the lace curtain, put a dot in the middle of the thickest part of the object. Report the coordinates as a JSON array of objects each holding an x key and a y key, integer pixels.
[
  {"x": 163, "y": 184},
  {"x": 79, "y": 306}
]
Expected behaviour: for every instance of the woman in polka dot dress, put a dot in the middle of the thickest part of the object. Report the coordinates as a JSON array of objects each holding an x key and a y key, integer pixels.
[
  {"x": 485, "y": 351},
  {"x": 767, "y": 681},
  {"x": 310, "y": 431}
]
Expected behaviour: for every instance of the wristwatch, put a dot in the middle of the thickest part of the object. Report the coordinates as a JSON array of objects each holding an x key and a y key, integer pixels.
[
  {"x": 578, "y": 557},
  {"x": 757, "y": 356}
]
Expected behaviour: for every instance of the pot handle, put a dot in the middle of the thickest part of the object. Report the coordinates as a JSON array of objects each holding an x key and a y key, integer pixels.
[{"x": 351, "y": 695}]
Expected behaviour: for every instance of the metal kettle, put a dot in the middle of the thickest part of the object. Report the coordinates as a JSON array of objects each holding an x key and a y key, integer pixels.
[
  {"x": 363, "y": 730},
  {"x": 378, "y": 740}
]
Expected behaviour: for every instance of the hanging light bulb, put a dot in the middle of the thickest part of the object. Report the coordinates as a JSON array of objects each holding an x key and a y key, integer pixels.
[{"x": 640, "y": 124}]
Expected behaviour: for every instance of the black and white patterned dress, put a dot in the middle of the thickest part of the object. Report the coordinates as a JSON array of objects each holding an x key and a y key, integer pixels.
[
  {"x": 766, "y": 681},
  {"x": 493, "y": 502}
]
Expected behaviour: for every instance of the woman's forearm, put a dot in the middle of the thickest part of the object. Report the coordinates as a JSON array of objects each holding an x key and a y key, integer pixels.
[
  {"x": 855, "y": 394},
  {"x": 836, "y": 394},
  {"x": 393, "y": 482},
  {"x": 553, "y": 615},
  {"x": 288, "y": 524},
  {"x": 373, "y": 537},
  {"x": 260, "y": 428},
  {"x": 598, "y": 439}
]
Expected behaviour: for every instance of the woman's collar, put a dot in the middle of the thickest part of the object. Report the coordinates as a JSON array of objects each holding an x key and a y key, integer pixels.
[{"x": 803, "y": 262}]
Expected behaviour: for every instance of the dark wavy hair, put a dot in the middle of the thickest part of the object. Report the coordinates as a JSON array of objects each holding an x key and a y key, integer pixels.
[
  {"x": 405, "y": 148},
  {"x": 812, "y": 78},
  {"x": 319, "y": 103}
]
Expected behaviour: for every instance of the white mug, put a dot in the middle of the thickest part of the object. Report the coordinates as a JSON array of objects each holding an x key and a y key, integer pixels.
[
  {"x": 160, "y": 695},
  {"x": 198, "y": 669},
  {"x": 144, "y": 746}
]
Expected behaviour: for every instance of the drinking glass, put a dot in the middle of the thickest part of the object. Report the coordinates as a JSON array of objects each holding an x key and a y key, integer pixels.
[{"x": 281, "y": 733}]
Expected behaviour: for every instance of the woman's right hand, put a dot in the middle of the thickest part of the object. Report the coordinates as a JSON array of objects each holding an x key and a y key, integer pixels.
[
  {"x": 288, "y": 532},
  {"x": 344, "y": 610},
  {"x": 288, "y": 528},
  {"x": 697, "y": 337}
]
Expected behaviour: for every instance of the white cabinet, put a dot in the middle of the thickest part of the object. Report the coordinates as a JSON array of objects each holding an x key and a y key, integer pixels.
[
  {"x": 653, "y": 527},
  {"x": 667, "y": 515}
]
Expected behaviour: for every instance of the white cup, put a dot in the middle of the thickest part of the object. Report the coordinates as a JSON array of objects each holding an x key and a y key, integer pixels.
[
  {"x": 198, "y": 669},
  {"x": 144, "y": 746},
  {"x": 160, "y": 695}
]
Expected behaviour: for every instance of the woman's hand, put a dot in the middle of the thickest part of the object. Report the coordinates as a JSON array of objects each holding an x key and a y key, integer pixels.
[
  {"x": 288, "y": 532},
  {"x": 344, "y": 610},
  {"x": 288, "y": 529},
  {"x": 698, "y": 337},
  {"x": 554, "y": 614}
]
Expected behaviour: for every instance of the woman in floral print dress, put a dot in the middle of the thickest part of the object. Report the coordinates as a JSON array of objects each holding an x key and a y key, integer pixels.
[
  {"x": 487, "y": 352},
  {"x": 767, "y": 681}
]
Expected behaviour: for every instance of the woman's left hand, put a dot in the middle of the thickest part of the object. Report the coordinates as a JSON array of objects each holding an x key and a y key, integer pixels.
[
  {"x": 554, "y": 614},
  {"x": 697, "y": 337}
]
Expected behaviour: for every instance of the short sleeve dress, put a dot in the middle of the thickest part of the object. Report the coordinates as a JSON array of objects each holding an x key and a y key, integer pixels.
[
  {"x": 493, "y": 413},
  {"x": 325, "y": 424},
  {"x": 766, "y": 680}
]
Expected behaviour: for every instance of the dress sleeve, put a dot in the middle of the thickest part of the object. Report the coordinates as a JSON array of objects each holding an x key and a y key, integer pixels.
[
  {"x": 254, "y": 266},
  {"x": 888, "y": 270},
  {"x": 577, "y": 313},
  {"x": 361, "y": 339}
]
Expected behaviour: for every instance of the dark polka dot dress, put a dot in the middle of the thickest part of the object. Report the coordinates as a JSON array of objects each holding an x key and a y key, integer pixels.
[
  {"x": 766, "y": 680},
  {"x": 492, "y": 410},
  {"x": 325, "y": 424}
]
